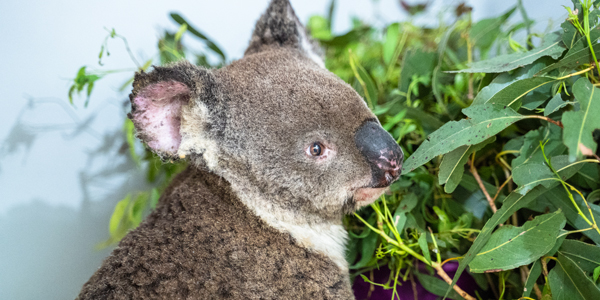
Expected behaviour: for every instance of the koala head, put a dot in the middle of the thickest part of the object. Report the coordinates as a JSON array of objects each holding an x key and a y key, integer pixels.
[{"x": 275, "y": 122}]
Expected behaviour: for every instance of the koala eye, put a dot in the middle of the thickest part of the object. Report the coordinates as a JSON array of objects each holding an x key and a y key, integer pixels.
[{"x": 316, "y": 149}]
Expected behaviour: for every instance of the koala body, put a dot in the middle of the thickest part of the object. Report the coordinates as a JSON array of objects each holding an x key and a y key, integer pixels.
[{"x": 279, "y": 149}]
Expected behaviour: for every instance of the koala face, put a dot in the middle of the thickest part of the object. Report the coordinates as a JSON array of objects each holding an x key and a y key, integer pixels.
[{"x": 275, "y": 122}]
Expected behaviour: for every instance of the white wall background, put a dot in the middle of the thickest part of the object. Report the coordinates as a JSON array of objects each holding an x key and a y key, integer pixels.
[{"x": 59, "y": 179}]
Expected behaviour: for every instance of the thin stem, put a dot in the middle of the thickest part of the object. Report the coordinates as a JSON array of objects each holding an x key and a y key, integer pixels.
[
  {"x": 557, "y": 123},
  {"x": 395, "y": 243},
  {"x": 576, "y": 73},
  {"x": 564, "y": 184},
  {"x": 575, "y": 231},
  {"x": 586, "y": 21},
  {"x": 447, "y": 279},
  {"x": 450, "y": 259},
  {"x": 501, "y": 187},
  {"x": 480, "y": 182},
  {"x": 437, "y": 250}
]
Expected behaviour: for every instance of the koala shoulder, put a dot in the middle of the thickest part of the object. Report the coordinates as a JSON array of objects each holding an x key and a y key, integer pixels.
[{"x": 198, "y": 239}]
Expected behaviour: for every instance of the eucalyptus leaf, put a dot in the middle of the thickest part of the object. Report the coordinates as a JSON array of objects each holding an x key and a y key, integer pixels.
[
  {"x": 585, "y": 255},
  {"x": 415, "y": 62},
  {"x": 555, "y": 104},
  {"x": 514, "y": 91},
  {"x": 368, "y": 246},
  {"x": 436, "y": 285},
  {"x": 510, "y": 247},
  {"x": 512, "y": 203},
  {"x": 486, "y": 31},
  {"x": 569, "y": 282},
  {"x": 209, "y": 43},
  {"x": 452, "y": 166},
  {"x": 534, "y": 274},
  {"x": 532, "y": 174},
  {"x": 531, "y": 150},
  {"x": 558, "y": 199},
  {"x": 391, "y": 42},
  {"x": 573, "y": 59},
  {"x": 424, "y": 246},
  {"x": 118, "y": 214},
  {"x": 580, "y": 125},
  {"x": 484, "y": 121},
  {"x": 552, "y": 46}
]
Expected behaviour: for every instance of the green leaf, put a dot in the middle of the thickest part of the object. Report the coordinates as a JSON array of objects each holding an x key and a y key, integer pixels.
[
  {"x": 570, "y": 34},
  {"x": 117, "y": 215},
  {"x": 588, "y": 177},
  {"x": 435, "y": 285},
  {"x": 514, "y": 91},
  {"x": 532, "y": 174},
  {"x": 555, "y": 104},
  {"x": 534, "y": 274},
  {"x": 368, "y": 246},
  {"x": 569, "y": 282},
  {"x": 129, "y": 129},
  {"x": 209, "y": 43},
  {"x": 573, "y": 59},
  {"x": 485, "y": 32},
  {"x": 427, "y": 121},
  {"x": 552, "y": 46},
  {"x": 391, "y": 42},
  {"x": 512, "y": 203},
  {"x": 579, "y": 125},
  {"x": 424, "y": 246},
  {"x": 319, "y": 27},
  {"x": 154, "y": 197},
  {"x": 409, "y": 201},
  {"x": 343, "y": 40},
  {"x": 531, "y": 150},
  {"x": 596, "y": 274},
  {"x": 558, "y": 198},
  {"x": 585, "y": 255},
  {"x": 367, "y": 83},
  {"x": 330, "y": 13},
  {"x": 415, "y": 62},
  {"x": 182, "y": 29},
  {"x": 510, "y": 247},
  {"x": 484, "y": 121},
  {"x": 452, "y": 166}
]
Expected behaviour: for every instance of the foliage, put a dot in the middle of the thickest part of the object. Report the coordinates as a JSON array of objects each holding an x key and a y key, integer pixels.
[{"x": 518, "y": 128}]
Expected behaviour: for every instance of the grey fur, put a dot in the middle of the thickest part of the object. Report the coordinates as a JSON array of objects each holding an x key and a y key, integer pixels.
[{"x": 253, "y": 215}]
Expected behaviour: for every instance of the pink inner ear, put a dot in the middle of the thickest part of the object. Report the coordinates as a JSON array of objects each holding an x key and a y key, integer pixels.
[{"x": 157, "y": 115}]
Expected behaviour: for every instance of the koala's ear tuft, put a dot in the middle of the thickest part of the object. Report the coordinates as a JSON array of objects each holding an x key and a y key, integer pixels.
[
  {"x": 157, "y": 102},
  {"x": 280, "y": 26}
]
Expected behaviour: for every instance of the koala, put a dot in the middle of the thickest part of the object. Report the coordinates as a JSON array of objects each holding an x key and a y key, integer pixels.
[{"x": 279, "y": 149}]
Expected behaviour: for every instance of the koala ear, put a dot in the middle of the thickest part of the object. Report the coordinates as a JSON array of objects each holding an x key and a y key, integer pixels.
[
  {"x": 158, "y": 100},
  {"x": 280, "y": 26}
]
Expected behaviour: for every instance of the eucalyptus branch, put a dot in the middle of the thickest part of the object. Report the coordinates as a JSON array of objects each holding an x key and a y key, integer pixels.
[
  {"x": 440, "y": 271},
  {"x": 564, "y": 184},
  {"x": 482, "y": 186}
]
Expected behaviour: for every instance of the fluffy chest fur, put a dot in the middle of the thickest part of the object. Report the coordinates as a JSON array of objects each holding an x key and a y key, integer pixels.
[
  {"x": 325, "y": 237},
  {"x": 203, "y": 243}
]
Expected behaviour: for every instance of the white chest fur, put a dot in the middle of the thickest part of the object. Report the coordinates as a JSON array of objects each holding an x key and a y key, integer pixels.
[{"x": 326, "y": 238}]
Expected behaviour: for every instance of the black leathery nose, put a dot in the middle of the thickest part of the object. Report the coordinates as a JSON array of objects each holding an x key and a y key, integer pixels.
[{"x": 381, "y": 152}]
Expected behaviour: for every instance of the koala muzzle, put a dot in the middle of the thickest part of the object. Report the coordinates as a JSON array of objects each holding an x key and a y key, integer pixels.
[{"x": 381, "y": 152}]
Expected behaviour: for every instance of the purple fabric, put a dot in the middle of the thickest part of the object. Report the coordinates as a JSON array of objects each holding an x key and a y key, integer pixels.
[{"x": 405, "y": 290}]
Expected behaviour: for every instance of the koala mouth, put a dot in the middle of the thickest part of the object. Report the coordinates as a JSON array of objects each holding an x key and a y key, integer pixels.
[{"x": 367, "y": 195}]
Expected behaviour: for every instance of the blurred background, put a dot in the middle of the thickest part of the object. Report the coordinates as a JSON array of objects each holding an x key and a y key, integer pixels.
[{"x": 63, "y": 167}]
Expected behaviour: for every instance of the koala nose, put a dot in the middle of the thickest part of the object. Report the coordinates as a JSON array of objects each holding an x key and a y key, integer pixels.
[{"x": 381, "y": 151}]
